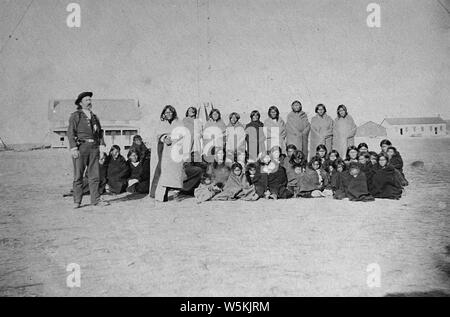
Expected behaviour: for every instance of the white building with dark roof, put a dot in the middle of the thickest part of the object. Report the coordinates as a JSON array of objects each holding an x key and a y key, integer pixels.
[
  {"x": 120, "y": 120},
  {"x": 415, "y": 127}
]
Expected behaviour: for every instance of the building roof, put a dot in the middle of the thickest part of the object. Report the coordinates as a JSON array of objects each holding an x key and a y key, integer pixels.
[
  {"x": 106, "y": 109},
  {"x": 412, "y": 121},
  {"x": 371, "y": 129}
]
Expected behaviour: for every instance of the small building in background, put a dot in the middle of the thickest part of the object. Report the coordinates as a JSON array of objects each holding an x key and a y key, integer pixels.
[
  {"x": 370, "y": 133},
  {"x": 371, "y": 130},
  {"x": 415, "y": 127},
  {"x": 120, "y": 119}
]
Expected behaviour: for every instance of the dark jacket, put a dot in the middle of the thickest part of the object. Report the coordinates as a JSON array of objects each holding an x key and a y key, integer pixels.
[
  {"x": 386, "y": 184},
  {"x": 144, "y": 152},
  {"x": 81, "y": 128},
  {"x": 117, "y": 173},
  {"x": 356, "y": 188}
]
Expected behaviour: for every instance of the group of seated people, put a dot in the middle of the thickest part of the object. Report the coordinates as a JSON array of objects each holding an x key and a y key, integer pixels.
[
  {"x": 118, "y": 175},
  {"x": 361, "y": 175}
]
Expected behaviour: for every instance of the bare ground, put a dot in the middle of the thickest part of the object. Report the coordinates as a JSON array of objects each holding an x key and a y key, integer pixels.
[{"x": 284, "y": 248}]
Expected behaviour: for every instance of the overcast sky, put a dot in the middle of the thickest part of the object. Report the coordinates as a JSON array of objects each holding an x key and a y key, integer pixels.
[{"x": 249, "y": 54}]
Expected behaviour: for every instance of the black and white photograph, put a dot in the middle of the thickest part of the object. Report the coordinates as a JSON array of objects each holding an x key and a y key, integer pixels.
[{"x": 206, "y": 149}]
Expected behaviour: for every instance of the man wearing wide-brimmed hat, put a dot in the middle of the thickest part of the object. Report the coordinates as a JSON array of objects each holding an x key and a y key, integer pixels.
[{"x": 87, "y": 146}]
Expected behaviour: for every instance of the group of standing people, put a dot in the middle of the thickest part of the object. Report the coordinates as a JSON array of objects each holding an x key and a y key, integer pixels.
[
  {"x": 211, "y": 160},
  {"x": 274, "y": 159}
]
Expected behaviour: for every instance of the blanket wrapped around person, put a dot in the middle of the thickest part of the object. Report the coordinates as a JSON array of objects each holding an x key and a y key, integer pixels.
[{"x": 237, "y": 187}]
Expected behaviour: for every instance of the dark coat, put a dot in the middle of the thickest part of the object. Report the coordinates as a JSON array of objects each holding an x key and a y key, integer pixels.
[
  {"x": 117, "y": 173},
  {"x": 309, "y": 181},
  {"x": 356, "y": 188},
  {"x": 81, "y": 128},
  {"x": 256, "y": 140},
  {"x": 368, "y": 170},
  {"x": 397, "y": 162},
  {"x": 277, "y": 183},
  {"x": 141, "y": 173},
  {"x": 259, "y": 182},
  {"x": 144, "y": 152},
  {"x": 386, "y": 184}
]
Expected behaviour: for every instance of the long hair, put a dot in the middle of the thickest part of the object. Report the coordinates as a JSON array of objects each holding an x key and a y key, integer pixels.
[
  {"x": 174, "y": 111},
  {"x": 255, "y": 113},
  {"x": 215, "y": 111},
  {"x": 273, "y": 108},
  {"x": 385, "y": 156},
  {"x": 335, "y": 152},
  {"x": 350, "y": 148},
  {"x": 321, "y": 106},
  {"x": 322, "y": 147},
  {"x": 342, "y": 107},
  {"x": 235, "y": 114},
  {"x": 314, "y": 160},
  {"x": 339, "y": 162},
  {"x": 133, "y": 151},
  {"x": 114, "y": 147},
  {"x": 298, "y": 155},
  {"x": 192, "y": 108}
]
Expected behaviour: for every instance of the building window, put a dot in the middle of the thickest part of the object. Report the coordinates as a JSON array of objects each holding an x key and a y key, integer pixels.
[
  {"x": 414, "y": 129},
  {"x": 442, "y": 128},
  {"x": 129, "y": 132},
  {"x": 423, "y": 129},
  {"x": 431, "y": 129},
  {"x": 113, "y": 132}
]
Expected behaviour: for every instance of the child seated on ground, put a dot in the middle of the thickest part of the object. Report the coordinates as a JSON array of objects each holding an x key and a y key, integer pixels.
[
  {"x": 337, "y": 172},
  {"x": 396, "y": 161},
  {"x": 139, "y": 179},
  {"x": 384, "y": 145},
  {"x": 139, "y": 146},
  {"x": 374, "y": 160},
  {"x": 237, "y": 187},
  {"x": 366, "y": 167},
  {"x": 314, "y": 182},
  {"x": 275, "y": 176},
  {"x": 352, "y": 155},
  {"x": 331, "y": 158},
  {"x": 117, "y": 171},
  {"x": 296, "y": 166},
  {"x": 386, "y": 182},
  {"x": 255, "y": 178},
  {"x": 322, "y": 152},
  {"x": 355, "y": 185},
  {"x": 207, "y": 189}
]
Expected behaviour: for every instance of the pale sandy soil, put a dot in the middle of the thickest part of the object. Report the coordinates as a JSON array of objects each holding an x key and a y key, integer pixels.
[{"x": 266, "y": 248}]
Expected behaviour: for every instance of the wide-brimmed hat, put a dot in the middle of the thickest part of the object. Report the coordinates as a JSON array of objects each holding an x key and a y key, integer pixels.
[{"x": 83, "y": 95}]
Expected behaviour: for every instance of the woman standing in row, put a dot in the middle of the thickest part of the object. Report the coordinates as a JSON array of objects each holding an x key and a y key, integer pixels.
[
  {"x": 272, "y": 123},
  {"x": 344, "y": 130},
  {"x": 298, "y": 128},
  {"x": 321, "y": 129}
]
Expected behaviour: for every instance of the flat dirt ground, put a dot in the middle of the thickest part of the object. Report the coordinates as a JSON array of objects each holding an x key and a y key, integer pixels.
[{"x": 285, "y": 248}]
